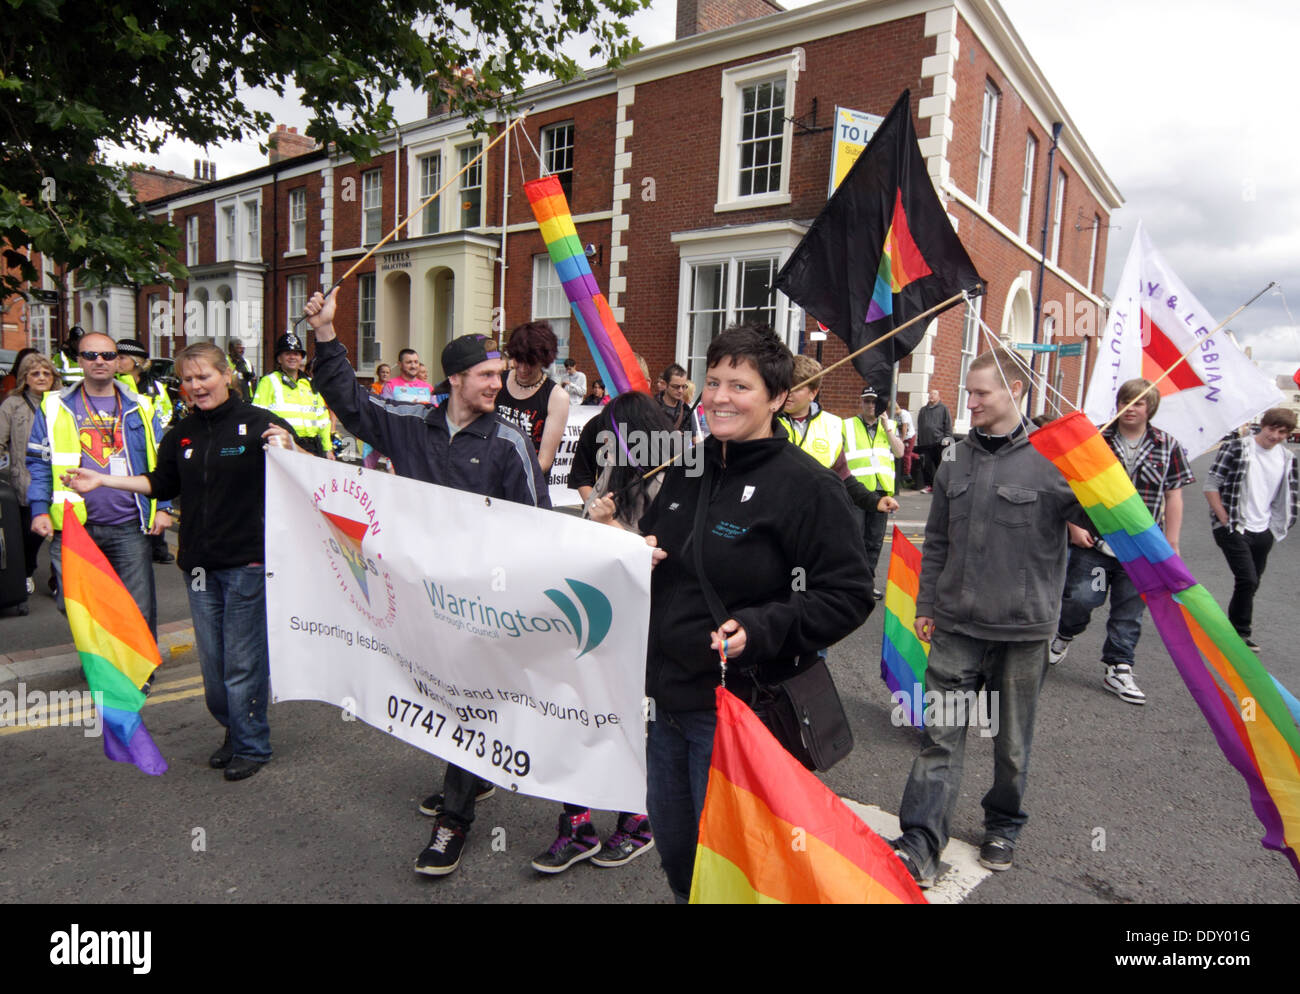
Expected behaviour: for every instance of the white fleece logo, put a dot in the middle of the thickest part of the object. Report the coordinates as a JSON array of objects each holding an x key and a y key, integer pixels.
[
  {"x": 243, "y": 429},
  {"x": 746, "y": 494}
]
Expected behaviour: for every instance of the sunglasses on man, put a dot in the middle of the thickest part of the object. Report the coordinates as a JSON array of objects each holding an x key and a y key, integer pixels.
[{"x": 92, "y": 356}]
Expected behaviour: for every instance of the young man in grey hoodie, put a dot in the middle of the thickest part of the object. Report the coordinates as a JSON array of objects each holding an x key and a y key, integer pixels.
[{"x": 992, "y": 570}]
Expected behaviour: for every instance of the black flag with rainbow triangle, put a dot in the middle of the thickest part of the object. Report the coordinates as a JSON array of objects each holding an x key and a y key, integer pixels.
[{"x": 883, "y": 250}]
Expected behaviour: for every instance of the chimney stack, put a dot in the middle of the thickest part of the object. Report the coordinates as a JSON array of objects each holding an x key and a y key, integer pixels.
[
  {"x": 698, "y": 16},
  {"x": 286, "y": 143}
]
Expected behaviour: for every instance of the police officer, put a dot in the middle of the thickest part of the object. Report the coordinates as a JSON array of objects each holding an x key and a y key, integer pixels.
[
  {"x": 67, "y": 361},
  {"x": 286, "y": 392},
  {"x": 871, "y": 444},
  {"x": 131, "y": 357}
]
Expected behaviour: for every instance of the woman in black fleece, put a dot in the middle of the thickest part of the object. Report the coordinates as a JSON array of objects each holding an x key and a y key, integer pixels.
[
  {"x": 214, "y": 459},
  {"x": 781, "y": 548}
]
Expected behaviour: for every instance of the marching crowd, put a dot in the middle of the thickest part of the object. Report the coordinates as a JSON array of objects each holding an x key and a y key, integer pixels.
[{"x": 778, "y": 486}]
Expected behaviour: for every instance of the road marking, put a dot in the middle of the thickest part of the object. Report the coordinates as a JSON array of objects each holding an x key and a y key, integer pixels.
[
  {"x": 963, "y": 873},
  {"x": 74, "y": 715}
]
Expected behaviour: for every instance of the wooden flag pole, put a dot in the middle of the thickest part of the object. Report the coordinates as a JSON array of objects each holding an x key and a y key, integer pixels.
[
  {"x": 883, "y": 338},
  {"x": 427, "y": 201},
  {"x": 1183, "y": 358}
]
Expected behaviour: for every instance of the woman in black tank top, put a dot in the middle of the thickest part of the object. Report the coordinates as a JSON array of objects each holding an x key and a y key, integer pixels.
[{"x": 529, "y": 398}]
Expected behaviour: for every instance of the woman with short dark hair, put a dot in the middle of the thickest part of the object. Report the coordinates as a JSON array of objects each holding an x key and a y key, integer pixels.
[{"x": 771, "y": 510}]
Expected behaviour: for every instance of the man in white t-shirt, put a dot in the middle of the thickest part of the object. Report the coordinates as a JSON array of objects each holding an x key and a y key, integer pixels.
[
  {"x": 574, "y": 382},
  {"x": 1252, "y": 491}
]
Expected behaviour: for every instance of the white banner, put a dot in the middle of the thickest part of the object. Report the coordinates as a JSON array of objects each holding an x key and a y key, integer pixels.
[
  {"x": 508, "y": 640},
  {"x": 1153, "y": 320},
  {"x": 561, "y": 495}
]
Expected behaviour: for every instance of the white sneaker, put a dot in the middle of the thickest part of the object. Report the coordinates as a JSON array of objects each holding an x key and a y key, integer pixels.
[
  {"x": 1057, "y": 650},
  {"x": 31, "y": 586},
  {"x": 1119, "y": 681}
]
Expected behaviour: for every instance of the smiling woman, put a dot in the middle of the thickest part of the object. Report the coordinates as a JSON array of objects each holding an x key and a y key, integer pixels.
[
  {"x": 761, "y": 513},
  {"x": 211, "y": 459}
]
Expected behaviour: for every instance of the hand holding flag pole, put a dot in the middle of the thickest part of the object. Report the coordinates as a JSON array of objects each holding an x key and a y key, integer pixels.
[
  {"x": 1183, "y": 358},
  {"x": 425, "y": 203}
]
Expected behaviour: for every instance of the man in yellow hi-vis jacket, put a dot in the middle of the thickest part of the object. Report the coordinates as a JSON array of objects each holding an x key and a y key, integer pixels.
[{"x": 291, "y": 395}]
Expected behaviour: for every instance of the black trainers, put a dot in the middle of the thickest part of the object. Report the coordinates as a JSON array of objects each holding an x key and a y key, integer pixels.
[
  {"x": 442, "y": 855},
  {"x": 220, "y": 759},
  {"x": 1251, "y": 644},
  {"x": 432, "y": 805},
  {"x": 573, "y": 844},
  {"x": 996, "y": 853},
  {"x": 632, "y": 838},
  {"x": 924, "y": 882}
]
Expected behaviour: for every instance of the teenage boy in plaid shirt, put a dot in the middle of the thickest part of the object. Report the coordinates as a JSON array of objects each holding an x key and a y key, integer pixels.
[
  {"x": 1252, "y": 489},
  {"x": 1158, "y": 467}
]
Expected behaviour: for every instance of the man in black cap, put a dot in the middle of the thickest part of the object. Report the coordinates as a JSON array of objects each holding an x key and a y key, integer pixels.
[
  {"x": 243, "y": 372},
  {"x": 286, "y": 392},
  {"x": 871, "y": 444},
  {"x": 461, "y": 444},
  {"x": 66, "y": 358}
]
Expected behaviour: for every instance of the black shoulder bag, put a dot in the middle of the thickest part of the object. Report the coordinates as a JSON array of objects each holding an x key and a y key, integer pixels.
[{"x": 803, "y": 710}]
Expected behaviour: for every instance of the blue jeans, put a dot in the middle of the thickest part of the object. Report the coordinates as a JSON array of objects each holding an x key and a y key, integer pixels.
[
  {"x": 130, "y": 552},
  {"x": 1013, "y": 671},
  {"x": 678, "y": 751},
  {"x": 1090, "y": 577},
  {"x": 230, "y": 630}
]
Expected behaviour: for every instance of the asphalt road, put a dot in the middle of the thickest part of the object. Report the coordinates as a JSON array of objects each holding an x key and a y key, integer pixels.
[{"x": 1128, "y": 804}]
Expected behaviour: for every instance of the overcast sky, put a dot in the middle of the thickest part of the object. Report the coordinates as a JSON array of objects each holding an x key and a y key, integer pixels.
[{"x": 1188, "y": 104}]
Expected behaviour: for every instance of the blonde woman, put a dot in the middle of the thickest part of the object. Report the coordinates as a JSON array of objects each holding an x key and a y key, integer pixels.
[
  {"x": 34, "y": 377},
  {"x": 207, "y": 460}
]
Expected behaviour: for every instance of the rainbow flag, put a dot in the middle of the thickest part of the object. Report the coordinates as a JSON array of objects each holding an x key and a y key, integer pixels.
[
  {"x": 613, "y": 356},
  {"x": 772, "y": 833},
  {"x": 118, "y": 653},
  {"x": 903, "y": 656},
  {"x": 1250, "y": 719},
  {"x": 901, "y": 263}
]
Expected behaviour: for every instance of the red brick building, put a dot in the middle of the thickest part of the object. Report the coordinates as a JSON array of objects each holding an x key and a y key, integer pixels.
[{"x": 693, "y": 172}]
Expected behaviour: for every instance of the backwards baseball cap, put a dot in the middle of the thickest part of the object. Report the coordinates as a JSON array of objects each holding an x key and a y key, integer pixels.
[
  {"x": 132, "y": 347},
  {"x": 466, "y": 352}
]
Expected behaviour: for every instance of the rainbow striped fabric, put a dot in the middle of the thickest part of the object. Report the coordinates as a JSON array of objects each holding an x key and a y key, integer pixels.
[
  {"x": 1251, "y": 720},
  {"x": 118, "y": 653},
  {"x": 772, "y": 833},
  {"x": 903, "y": 656},
  {"x": 901, "y": 263},
  {"x": 612, "y": 354}
]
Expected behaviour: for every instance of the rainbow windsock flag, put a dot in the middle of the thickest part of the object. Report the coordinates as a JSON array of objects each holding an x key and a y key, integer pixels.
[
  {"x": 772, "y": 833},
  {"x": 613, "y": 356},
  {"x": 1246, "y": 707},
  {"x": 118, "y": 653},
  {"x": 903, "y": 656}
]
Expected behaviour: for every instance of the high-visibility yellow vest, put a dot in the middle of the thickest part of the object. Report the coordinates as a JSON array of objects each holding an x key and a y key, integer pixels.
[
  {"x": 69, "y": 370},
  {"x": 158, "y": 403},
  {"x": 870, "y": 459},
  {"x": 65, "y": 453},
  {"x": 823, "y": 437},
  {"x": 297, "y": 403}
]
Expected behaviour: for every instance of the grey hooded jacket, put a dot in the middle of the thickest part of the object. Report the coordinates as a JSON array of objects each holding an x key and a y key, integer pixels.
[{"x": 996, "y": 545}]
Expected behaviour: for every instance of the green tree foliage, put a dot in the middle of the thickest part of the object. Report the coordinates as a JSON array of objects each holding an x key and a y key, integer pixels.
[{"x": 77, "y": 74}]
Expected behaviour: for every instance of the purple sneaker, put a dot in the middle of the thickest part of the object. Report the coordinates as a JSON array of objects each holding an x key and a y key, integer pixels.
[
  {"x": 575, "y": 842},
  {"x": 632, "y": 838}
]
